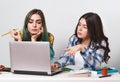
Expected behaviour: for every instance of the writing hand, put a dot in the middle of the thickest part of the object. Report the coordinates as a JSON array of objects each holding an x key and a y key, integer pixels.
[
  {"x": 54, "y": 67},
  {"x": 2, "y": 67},
  {"x": 15, "y": 34}
]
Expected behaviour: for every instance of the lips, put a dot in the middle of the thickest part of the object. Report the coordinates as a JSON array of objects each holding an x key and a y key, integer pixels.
[
  {"x": 79, "y": 33},
  {"x": 34, "y": 29}
]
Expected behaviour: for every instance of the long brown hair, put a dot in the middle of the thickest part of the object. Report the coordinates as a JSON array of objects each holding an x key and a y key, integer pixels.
[
  {"x": 26, "y": 34},
  {"x": 43, "y": 36}
]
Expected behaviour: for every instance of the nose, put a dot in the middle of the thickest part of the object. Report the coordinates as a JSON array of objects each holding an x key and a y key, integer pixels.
[
  {"x": 80, "y": 28},
  {"x": 34, "y": 24}
]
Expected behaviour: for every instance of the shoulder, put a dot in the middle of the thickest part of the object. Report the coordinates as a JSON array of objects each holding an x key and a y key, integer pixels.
[
  {"x": 103, "y": 44},
  {"x": 51, "y": 37},
  {"x": 72, "y": 41},
  {"x": 73, "y": 38}
]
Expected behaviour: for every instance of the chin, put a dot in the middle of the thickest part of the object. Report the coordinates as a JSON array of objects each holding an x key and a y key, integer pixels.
[
  {"x": 80, "y": 36},
  {"x": 33, "y": 33}
]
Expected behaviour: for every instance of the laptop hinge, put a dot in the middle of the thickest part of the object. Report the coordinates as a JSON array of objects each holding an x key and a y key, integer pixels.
[{"x": 30, "y": 72}]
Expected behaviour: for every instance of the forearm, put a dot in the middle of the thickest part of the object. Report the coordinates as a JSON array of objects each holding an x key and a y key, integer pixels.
[{"x": 65, "y": 59}]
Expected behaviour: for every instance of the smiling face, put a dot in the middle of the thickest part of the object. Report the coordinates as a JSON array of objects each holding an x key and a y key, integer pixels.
[
  {"x": 35, "y": 24},
  {"x": 82, "y": 29}
]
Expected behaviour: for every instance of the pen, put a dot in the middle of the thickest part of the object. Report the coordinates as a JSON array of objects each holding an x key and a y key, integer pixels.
[{"x": 104, "y": 76}]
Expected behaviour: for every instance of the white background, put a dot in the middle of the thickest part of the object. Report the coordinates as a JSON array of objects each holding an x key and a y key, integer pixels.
[{"x": 61, "y": 18}]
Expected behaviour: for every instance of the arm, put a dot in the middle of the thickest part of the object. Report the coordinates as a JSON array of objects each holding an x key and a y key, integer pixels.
[
  {"x": 93, "y": 58},
  {"x": 51, "y": 40},
  {"x": 65, "y": 58},
  {"x": 51, "y": 52}
]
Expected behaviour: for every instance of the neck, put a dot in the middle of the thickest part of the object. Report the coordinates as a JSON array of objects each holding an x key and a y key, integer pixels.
[{"x": 86, "y": 41}]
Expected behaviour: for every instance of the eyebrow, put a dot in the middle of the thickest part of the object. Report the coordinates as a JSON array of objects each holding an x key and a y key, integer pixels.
[
  {"x": 36, "y": 20},
  {"x": 82, "y": 24}
]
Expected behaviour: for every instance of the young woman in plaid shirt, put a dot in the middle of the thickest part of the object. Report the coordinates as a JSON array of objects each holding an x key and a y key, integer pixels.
[{"x": 89, "y": 40}]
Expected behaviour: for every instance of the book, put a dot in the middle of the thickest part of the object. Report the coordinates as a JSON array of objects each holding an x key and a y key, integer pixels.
[
  {"x": 75, "y": 71},
  {"x": 110, "y": 70},
  {"x": 80, "y": 73},
  {"x": 85, "y": 74}
]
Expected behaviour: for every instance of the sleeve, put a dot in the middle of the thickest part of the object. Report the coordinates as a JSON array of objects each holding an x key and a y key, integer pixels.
[
  {"x": 72, "y": 41},
  {"x": 52, "y": 53},
  {"x": 65, "y": 59},
  {"x": 51, "y": 40},
  {"x": 93, "y": 58}
]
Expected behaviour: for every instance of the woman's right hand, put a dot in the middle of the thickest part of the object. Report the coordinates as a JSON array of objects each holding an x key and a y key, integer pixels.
[
  {"x": 2, "y": 67},
  {"x": 16, "y": 35},
  {"x": 54, "y": 67}
]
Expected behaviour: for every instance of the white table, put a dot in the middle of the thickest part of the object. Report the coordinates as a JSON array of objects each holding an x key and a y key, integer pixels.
[{"x": 62, "y": 77}]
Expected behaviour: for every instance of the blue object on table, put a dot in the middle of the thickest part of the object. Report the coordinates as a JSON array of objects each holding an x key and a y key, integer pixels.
[{"x": 109, "y": 71}]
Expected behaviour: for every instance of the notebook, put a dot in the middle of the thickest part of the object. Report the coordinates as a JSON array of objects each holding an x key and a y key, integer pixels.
[{"x": 31, "y": 58}]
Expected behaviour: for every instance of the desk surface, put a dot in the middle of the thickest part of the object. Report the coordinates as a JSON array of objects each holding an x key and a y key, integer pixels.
[{"x": 10, "y": 77}]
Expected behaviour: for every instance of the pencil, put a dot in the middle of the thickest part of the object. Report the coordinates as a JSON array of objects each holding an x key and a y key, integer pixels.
[{"x": 6, "y": 33}]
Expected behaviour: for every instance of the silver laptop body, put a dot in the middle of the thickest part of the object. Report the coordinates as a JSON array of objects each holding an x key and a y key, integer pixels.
[{"x": 30, "y": 58}]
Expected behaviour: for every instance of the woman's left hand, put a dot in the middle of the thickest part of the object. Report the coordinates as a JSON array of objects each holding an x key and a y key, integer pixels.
[
  {"x": 35, "y": 36},
  {"x": 72, "y": 50}
]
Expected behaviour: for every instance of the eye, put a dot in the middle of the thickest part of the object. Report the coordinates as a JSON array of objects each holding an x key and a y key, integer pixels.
[
  {"x": 39, "y": 22},
  {"x": 85, "y": 27},
  {"x": 79, "y": 24},
  {"x": 30, "y": 21}
]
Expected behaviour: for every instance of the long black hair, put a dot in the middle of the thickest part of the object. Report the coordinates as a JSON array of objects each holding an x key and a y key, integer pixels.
[{"x": 95, "y": 31}]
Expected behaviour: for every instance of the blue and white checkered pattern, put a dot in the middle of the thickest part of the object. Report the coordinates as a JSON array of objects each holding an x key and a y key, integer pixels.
[{"x": 92, "y": 57}]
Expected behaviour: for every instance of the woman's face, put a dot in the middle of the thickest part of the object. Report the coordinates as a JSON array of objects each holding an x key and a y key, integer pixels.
[
  {"x": 82, "y": 30},
  {"x": 35, "y": 24}
]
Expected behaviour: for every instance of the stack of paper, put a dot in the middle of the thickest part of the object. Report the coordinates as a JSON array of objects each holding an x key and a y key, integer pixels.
[{"x": 80, "y": 73}]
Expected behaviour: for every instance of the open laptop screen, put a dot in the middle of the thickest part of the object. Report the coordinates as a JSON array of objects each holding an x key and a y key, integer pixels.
[{"x": 30, "y": 57}]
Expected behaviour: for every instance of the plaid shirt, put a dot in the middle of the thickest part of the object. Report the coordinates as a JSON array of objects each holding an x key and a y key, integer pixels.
[{"x": 92, "y": 57}]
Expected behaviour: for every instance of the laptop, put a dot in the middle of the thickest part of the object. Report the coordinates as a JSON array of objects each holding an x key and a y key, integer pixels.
[{"x": 31, "y": 58}]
